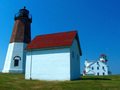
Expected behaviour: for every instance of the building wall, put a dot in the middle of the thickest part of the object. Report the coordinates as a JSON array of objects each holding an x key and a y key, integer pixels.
[
  {"x": 48, "y": 64},
  {"x": 15, "y": 49},
  {"x": 86, "y": 66},
  {"x": 100, "y": 70},
  {"x": 87, "y": 69},
  {"x": 74, "y": 61}
]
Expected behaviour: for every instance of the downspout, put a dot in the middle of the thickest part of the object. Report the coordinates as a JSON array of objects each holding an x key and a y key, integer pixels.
[{"x": 31, "y": 67}]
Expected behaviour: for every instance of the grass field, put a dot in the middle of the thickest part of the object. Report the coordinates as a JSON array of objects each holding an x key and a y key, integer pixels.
[{"x": 17, "y": 82}]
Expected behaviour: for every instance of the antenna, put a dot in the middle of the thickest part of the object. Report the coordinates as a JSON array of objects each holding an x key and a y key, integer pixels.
[
  {"x": 107, "y": 53},
  {"x": 107, "y": 60}
]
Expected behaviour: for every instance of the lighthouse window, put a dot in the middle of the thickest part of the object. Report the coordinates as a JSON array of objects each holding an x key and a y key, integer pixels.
[{"x": 16, "y": 62}]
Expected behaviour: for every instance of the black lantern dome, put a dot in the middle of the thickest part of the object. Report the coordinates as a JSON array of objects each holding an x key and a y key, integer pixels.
[{"x": 23, "y": 13}]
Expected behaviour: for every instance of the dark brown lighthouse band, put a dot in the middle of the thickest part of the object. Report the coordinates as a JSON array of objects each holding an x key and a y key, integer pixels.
[{"x": 21, "y": 30}]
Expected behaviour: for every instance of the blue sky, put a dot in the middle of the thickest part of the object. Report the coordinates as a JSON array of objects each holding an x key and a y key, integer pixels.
[{"x": 97, "y": 22}]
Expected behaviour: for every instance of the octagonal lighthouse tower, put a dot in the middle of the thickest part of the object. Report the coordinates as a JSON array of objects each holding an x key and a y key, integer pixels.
[{"x": 20, "y": 38}]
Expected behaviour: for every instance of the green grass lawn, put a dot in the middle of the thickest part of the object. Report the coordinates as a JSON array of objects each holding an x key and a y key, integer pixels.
[{"x": 17, "y": 81}]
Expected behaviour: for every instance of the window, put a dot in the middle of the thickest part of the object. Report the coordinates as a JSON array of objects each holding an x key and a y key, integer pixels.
[
  {"x": 72, "y": 54},
  {"x": 103, "y": 73},
  {"x": 97, "y": 63},
  {"x": 92, "y": 68},
  {"x": 97, "y": 68},
  {"x": 16, "y": 62},
  {"x": 103, "y": 68},
  {"x": 98, "y": 73}
]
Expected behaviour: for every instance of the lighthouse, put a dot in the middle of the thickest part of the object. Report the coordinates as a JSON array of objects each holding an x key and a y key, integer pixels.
[
  {"x": 20, "y": 38},
  {"x": 103, "y": 58}
]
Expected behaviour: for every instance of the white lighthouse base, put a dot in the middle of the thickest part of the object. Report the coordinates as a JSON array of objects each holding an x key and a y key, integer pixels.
[
  {"x": 15, "y": 52},
  {"x": 13, "y": 71}
]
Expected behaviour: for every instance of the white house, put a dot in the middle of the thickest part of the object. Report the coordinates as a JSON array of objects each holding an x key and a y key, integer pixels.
[
  {"x": 96, "y": 67},
  {"x": 54, "y": 57}
]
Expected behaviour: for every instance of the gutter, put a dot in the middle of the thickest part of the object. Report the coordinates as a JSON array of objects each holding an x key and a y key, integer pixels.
[{"x": 31, "y": 67}]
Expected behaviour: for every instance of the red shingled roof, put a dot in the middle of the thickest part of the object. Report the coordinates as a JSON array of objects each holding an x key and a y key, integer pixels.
[
  {"x": 53, "y": 40},
  {"x": 102, "y": 55}
]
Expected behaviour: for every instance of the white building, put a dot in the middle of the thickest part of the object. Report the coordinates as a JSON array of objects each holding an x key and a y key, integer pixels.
[
  {"x": 54, "y": 57},
  {"x": 96, "y": 67}
]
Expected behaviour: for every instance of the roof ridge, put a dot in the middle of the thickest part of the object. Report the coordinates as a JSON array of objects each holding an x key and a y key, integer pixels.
[
  {"x": 92, "y": 60},
  {"x": 57, "y": 33}
]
